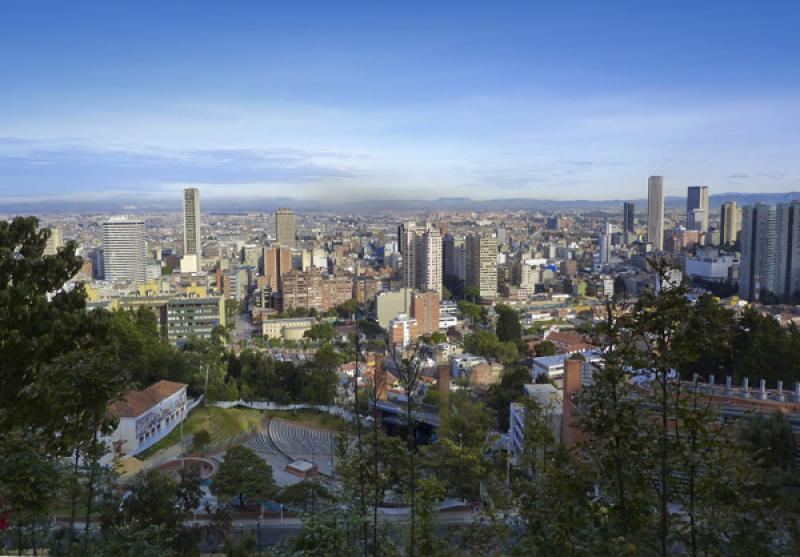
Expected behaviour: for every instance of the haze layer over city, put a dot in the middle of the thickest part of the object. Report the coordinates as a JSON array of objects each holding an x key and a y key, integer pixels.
[{"x": 363, "y": 279}]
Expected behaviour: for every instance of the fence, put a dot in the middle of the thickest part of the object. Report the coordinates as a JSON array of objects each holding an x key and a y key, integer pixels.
[{"x": 263, "y": 405}]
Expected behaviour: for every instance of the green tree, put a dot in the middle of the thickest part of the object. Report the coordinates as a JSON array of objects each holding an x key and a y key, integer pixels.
[
  {"x": 347, "y": 309},
  {"x": 151, "y": 518},
  {"x": 658, "y": 320},
  {"x": 320, "y": 377},
  {"x": 762, "y": 348},
  {"x": 157, "y": 500},
  {"x": 508, "y": 327},
  {"x": 39, "y": 319},
  {"x": 328, "y": 535},
  {"x": 770, "y": 438},
  {"x": 28, "y": 484},
  {"x": 431, "y": 492},
  {"x": 409, "y": 375},
  {"x": 508, "y": 390},
  {"x": 610, "y": 416},
  {"x": 707, "y": 339},
  {"x": 321, "y": 331},
  {"x": 558, "y": 517},
  {"x": 380, "y": 466},
  {"x": 438, "y": 337},
  {"x": 469, "y": 310},
  {"x": 244, "y": 475},
  {"x": 460, "y": 468},
  {"x": 507, "y": 353},
  {"x": 481, "y": 343},
  {"x": 465, "y": 420},
  {"x": 546, "y": 348},
  {"x": 303, "y": 494},
  {"x": 473, "y": 293},
  {"x": 201, "y": 439}
]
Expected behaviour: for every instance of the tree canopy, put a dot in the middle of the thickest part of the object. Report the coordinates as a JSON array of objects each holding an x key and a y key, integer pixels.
[{"x": 243, "y": 475}]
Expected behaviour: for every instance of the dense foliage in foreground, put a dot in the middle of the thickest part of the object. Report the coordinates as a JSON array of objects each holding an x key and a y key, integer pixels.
[{"x": 658, "y": 472}]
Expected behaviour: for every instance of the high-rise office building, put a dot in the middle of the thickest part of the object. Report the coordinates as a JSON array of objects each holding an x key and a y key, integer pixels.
[
  {"x": 627, "y": 223},
  {"x": 432, "y": 256},
  {"x": 124, "y": 250},
  {"x": 453, "y": 254},
  {"x": 757, "y": 269},
  {"x": 276, "y": 262},
  {"x": 655, "y": 212},
  {"x": 285, "y": 232},
  {"x": 787, "y": 249},
  {"x": 697, "y": 208},
  {"x": 604, "y": 241},
  {"x": 407, "y": 244},
  {"x": 421, "y": 248},
  {"x": 481, "y": 264},
  {"x": 730, "y": 223},
  {"x": 191, "y": 222}
]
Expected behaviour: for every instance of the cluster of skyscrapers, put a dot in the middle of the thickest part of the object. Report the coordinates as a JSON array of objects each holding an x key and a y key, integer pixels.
[
  {"x": 768, "y": 236},
  {"x": 770, "y": 240}
]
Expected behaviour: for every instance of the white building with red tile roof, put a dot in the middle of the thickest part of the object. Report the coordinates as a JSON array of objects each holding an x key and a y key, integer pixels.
[{"x": 147, "y": 416}]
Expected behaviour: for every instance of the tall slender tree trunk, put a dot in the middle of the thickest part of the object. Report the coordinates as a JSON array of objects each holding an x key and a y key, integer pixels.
[
  {"x": 412, "y": 472},
  {"x": 376, "y": 502},
  {"x": 74, "y": 496},
  {"x": 90, "y": 486},
  {"x": 664, "y": 469},
  {"x": 360, "y": 443},
  {"x": 693, "y": 477}
]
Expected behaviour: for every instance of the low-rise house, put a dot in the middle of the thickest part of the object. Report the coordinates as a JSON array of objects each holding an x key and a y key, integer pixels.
[{"x": 146, "y": 417}]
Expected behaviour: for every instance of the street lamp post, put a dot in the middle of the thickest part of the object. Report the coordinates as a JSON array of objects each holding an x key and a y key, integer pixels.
[{"x": 183, "y": 455}]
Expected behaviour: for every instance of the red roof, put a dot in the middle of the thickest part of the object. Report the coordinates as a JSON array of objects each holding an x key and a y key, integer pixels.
[{"x": 136, "y": 403}]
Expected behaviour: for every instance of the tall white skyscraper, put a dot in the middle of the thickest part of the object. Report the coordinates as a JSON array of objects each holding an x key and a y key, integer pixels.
[
  {"x": 124, "y": 250},
  {"x": 422, "y": 256},
  {"x": 697, "y": 208},
  {"x": 432, "y": 246},
  {"x": 757, "y": 268},
  {"x": 655, "y": 212}
]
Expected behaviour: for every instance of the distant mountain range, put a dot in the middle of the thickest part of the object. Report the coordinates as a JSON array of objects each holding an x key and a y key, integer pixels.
[{"x": 376, "y": 205}]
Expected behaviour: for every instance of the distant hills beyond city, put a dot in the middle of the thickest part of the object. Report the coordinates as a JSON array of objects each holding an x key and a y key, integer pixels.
[{"x": 217, "y": 204}]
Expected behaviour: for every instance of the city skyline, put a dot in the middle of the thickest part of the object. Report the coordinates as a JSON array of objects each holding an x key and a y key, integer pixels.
[
  {"x": 487, "y": 103},
  {"x": 427, "y": 279}
]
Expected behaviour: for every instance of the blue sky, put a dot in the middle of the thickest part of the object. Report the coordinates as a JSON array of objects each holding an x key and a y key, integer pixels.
[{"x": 323, "y": 100}]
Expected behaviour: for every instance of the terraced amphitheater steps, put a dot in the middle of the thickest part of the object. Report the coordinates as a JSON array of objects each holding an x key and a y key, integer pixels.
[{"x": 298, "y": 442}]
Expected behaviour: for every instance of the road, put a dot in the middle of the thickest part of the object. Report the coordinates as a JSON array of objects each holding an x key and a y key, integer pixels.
[
  {"x": 244, "y": 329},
  {"x": 270, "y": 531}
]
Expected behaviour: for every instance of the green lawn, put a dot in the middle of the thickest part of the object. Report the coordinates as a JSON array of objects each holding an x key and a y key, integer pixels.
[
  {"x": 229, "y": 426},
  {"x": 224, "y": 425},
  {"x": 312, "y": 418}
]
